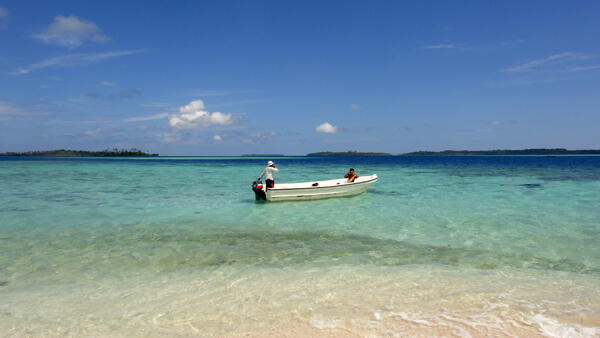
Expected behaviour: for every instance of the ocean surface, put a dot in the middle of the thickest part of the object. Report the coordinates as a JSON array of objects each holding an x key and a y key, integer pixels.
[{"x": 177, "y": 246}]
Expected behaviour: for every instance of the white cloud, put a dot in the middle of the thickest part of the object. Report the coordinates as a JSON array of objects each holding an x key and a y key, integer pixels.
[
  {"x": 548, "y": 61},
  {"x": 326, "y": 128},
  {"x": 583, "y": 68},
  {"x": 70, "y": 32},
  {"x": 495, "y": 123},
  {"x": 72, "y": 60},
  {"x": 442, "y": 46},
  {"x": 354, "y": 107},
  {"x": 94, "y": 132},
  {"x": 194, "y": 114},
  {"x": 258, "y": 137},
  {"x": 146, "y": 118},
  {"x": 3, "y": 17},
  {"x": 103, "y": 132},
  {"x": 106, "y": 84},
  {"x": 170, "y": 137},
  {"x": 9, "y": 110}
]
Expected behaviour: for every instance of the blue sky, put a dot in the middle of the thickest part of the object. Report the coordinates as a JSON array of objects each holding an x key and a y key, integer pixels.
[{"x": 237, "y": 77}]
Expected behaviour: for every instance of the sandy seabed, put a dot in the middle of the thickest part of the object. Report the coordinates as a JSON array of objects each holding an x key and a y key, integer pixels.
[{"x": 340, "y": 301}]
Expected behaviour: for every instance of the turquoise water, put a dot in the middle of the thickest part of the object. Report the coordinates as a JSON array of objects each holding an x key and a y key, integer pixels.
[{"x": 84, "y": 225}]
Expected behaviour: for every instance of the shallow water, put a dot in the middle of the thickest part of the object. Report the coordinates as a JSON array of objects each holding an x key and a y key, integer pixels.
[{"x": 438, "y": 246}]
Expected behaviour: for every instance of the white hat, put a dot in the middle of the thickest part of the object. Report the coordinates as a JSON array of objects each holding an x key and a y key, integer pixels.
[{"x": 270, "y": 163}]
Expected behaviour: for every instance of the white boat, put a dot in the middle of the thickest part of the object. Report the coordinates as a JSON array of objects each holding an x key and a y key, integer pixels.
[{"x": 314, "y": 189}]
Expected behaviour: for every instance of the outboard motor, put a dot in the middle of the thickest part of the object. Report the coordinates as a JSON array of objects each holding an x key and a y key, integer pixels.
[{"x": 259, "y": 193}]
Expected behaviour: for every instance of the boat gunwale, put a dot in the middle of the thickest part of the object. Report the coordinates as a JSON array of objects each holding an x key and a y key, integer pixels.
[{"x": 319, "y": 187}]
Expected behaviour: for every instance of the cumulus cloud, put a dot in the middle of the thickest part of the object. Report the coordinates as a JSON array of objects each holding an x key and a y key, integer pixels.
[
  {"x": 70, "y": 32},
  {"x": 326, "y": 128},
  {"x": 194, "y": 115},
  {"x": 217, "y": 138}
]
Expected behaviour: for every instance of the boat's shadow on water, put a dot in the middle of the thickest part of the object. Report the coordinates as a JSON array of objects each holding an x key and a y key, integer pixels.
[{"x": 316, "y": 201}]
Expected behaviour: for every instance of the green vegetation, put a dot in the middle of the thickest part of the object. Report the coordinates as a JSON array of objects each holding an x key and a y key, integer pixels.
[
  {"x": 538, "y": 151},
  {"x": 84, "y": 153},
  {"x": 263, "y": 155},
  {"x": 347, "y": 153},
  {"x": 534, "y": 151}
]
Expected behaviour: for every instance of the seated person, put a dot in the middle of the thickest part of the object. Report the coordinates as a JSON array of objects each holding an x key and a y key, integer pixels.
[{"x": 351, "y": 175}]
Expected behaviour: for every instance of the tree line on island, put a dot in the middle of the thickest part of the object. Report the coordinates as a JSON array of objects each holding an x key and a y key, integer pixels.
[
  {"x": 133, "y": 152},
  {"x": 347, "y": 153},
  {"x": 532, "y": 151},
  {"x": 115, "y": 152}
]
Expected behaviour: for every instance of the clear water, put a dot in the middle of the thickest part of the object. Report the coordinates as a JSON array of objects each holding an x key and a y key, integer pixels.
[{"x": 438, "y": 246}]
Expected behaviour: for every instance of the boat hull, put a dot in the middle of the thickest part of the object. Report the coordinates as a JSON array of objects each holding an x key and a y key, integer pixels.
[{"x": 324, "y": 189}]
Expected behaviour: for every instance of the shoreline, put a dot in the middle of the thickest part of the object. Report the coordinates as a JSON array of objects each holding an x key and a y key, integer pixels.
[{"x": 324, "y": 301}]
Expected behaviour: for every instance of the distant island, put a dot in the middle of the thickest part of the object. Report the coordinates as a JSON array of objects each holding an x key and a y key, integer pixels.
[
  {"x": 347, "y": 153},
  {"x": 263, "y": 155},
  {"x": 83, "y": 153},
  {"x": 533, "y": 151},
  {"x": 538, "y": 151}
]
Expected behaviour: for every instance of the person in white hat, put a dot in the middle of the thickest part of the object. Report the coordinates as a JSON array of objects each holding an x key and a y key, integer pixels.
[{"x": 268, "y": 174}]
